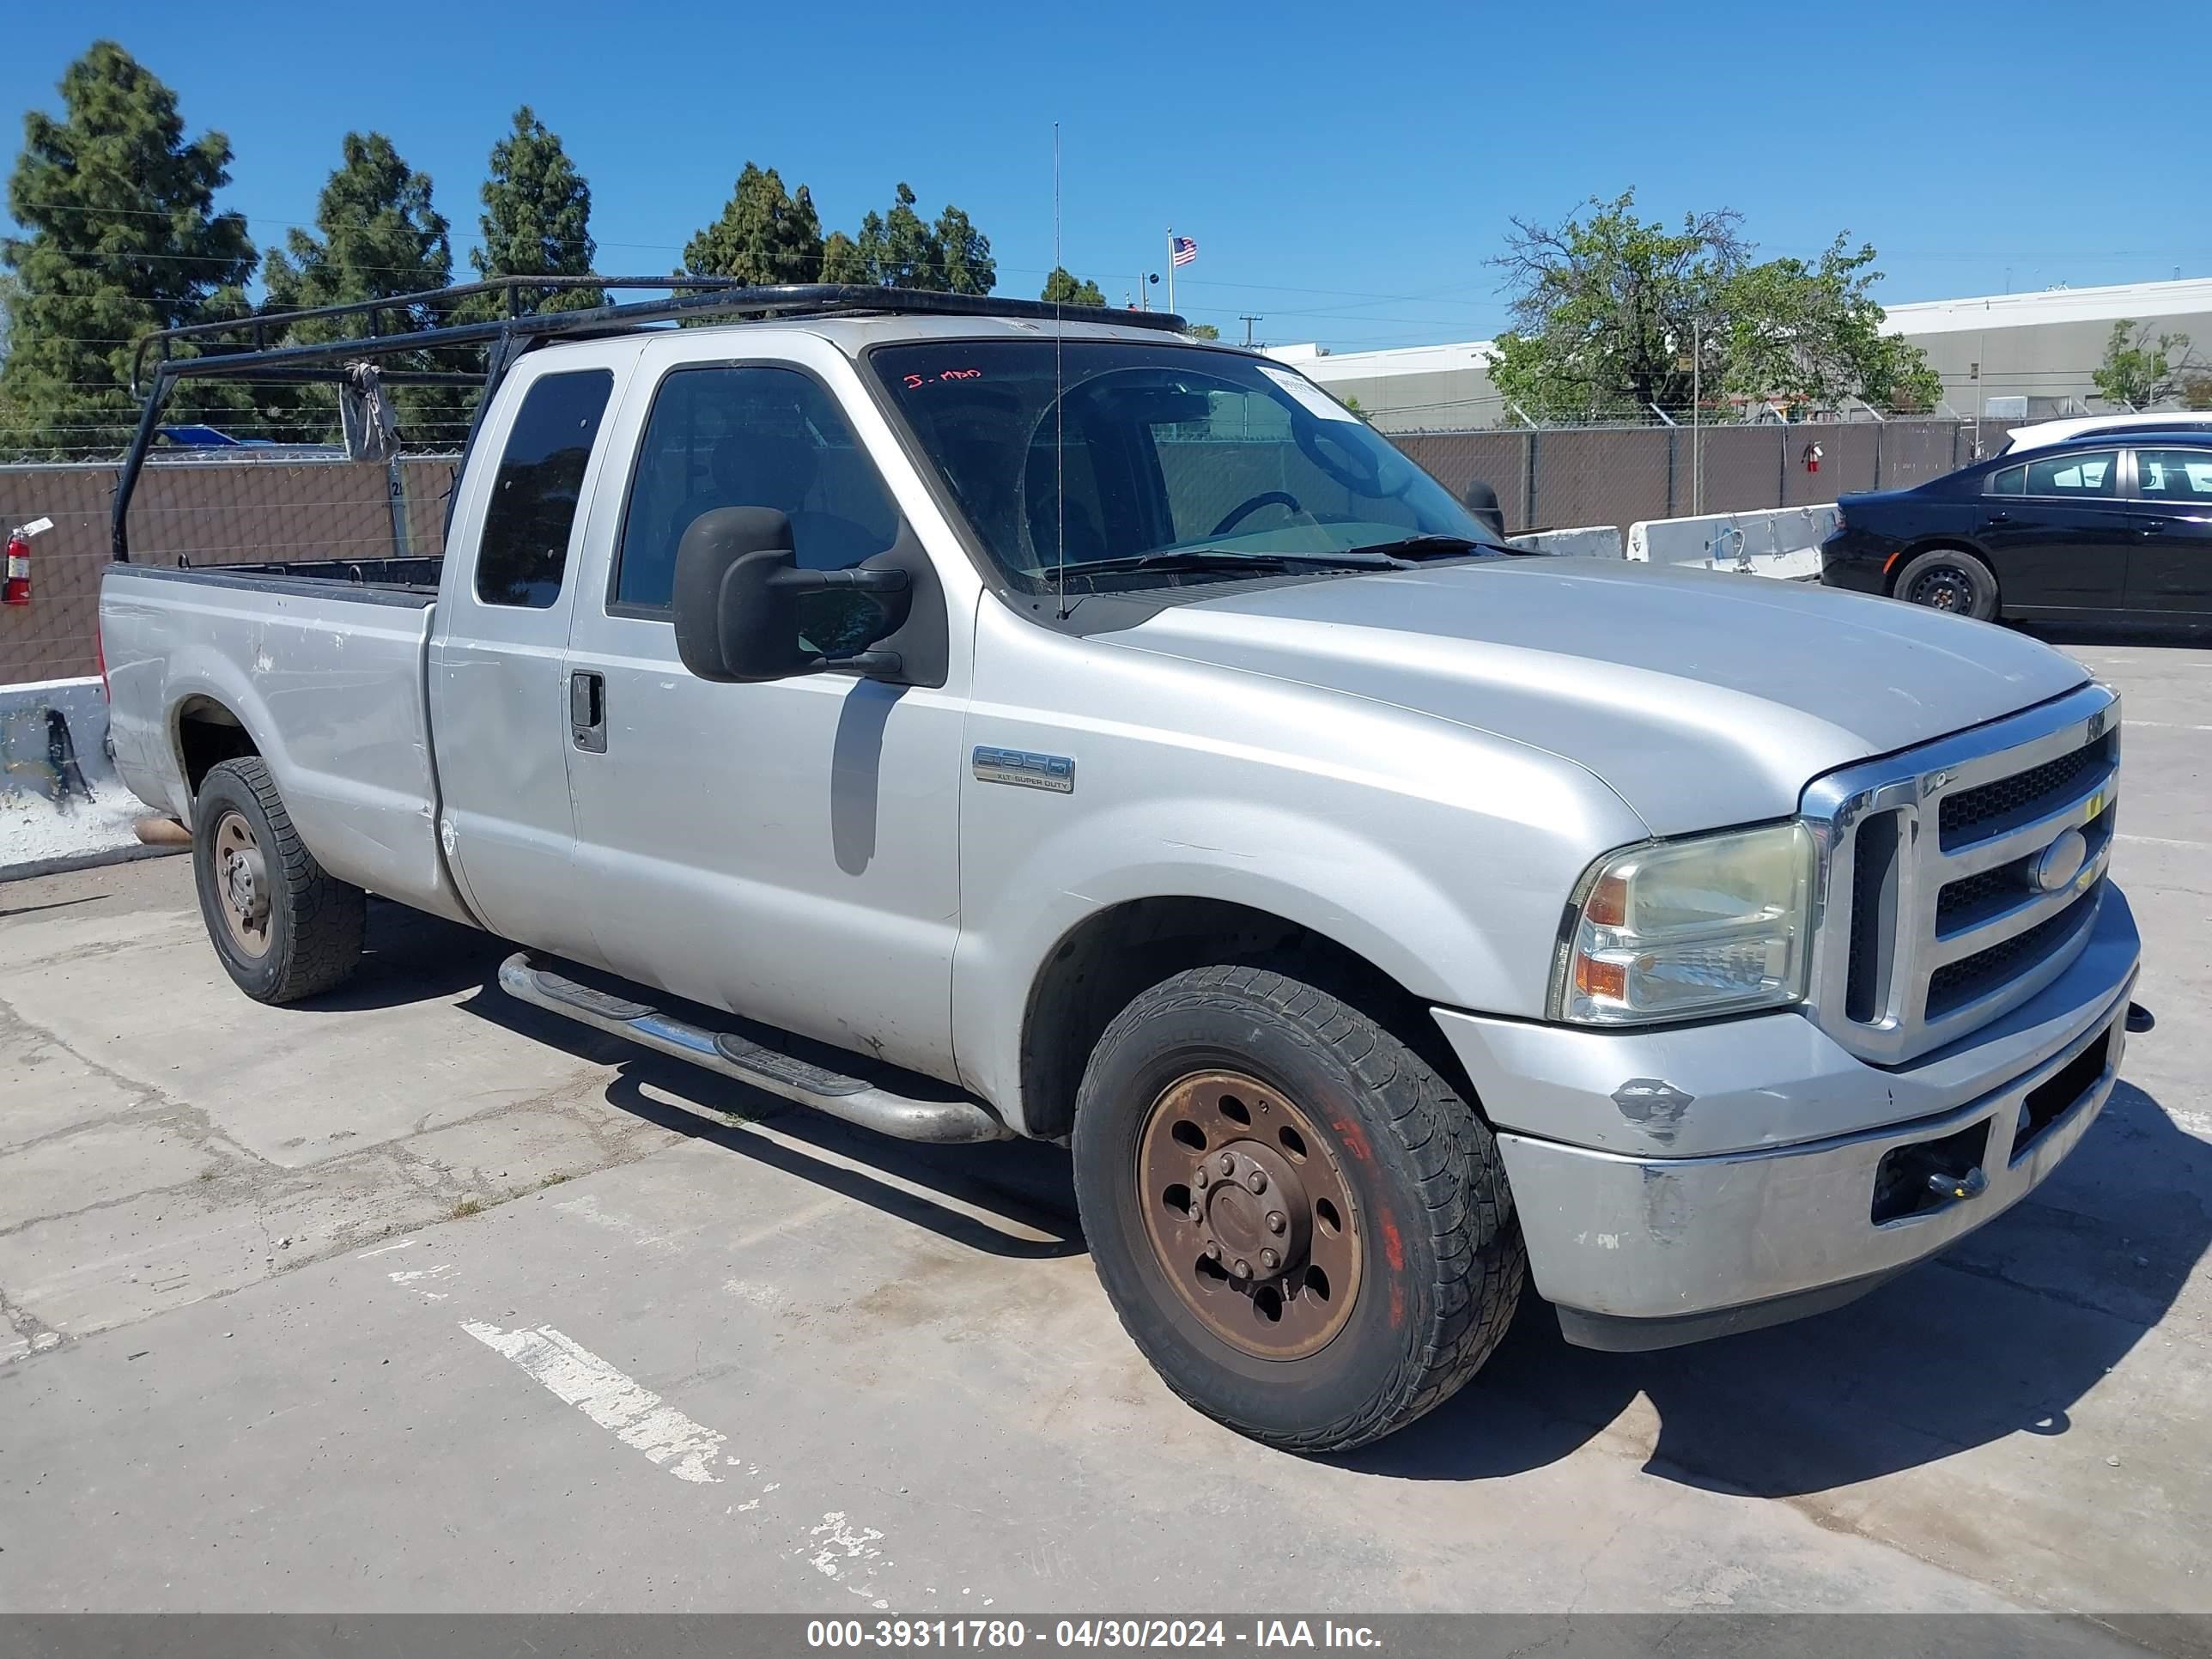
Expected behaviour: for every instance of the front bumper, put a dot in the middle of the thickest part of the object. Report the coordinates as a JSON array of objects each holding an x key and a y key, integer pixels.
[{"x": 1681, "y": 1183}]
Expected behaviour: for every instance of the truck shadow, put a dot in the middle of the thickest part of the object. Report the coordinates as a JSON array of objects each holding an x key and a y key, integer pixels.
[
  {"x": 2003, "y": 1334},
  {"x": 2000, "y": 1335}
]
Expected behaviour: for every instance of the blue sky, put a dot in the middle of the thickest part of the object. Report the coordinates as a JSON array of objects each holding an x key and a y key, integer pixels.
[{"x": 1347, "y": 168}]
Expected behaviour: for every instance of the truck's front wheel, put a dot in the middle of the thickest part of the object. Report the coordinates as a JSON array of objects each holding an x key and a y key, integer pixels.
[
  {"x": 1302, "y": 1224},
  {"x": 283, "y": 925}
]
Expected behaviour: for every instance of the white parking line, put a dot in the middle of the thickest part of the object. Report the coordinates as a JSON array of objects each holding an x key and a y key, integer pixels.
[
  {"x": 2162, "y": 840},
  {"x": 2166, "y": 725},
  {"x": 613, "y": 1401},
  {"x": 837, "y": 1548}
]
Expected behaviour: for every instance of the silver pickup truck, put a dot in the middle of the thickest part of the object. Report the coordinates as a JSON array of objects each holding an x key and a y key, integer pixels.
[{"x": 977, "y": 719}]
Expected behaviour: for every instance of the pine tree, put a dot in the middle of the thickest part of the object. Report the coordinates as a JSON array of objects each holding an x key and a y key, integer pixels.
[
  {"x": 764, "y": 235},
  {"x": 537, "y": 213},
  {"x": 963, "y": 254},
  {"x": 896, "y": 247},
  {"x": 122, "y": 239},
  {"x": 902, "y": 249},
  {"x": 1062, "y": 288},
  {"x": 380, "y": 236},
  {"x": 842, "y": 261}
]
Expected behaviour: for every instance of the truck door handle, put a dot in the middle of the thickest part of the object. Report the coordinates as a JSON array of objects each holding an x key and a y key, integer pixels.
[
  {"x": 587, "y": 710},
  {"x": 2155, "y": 527}
]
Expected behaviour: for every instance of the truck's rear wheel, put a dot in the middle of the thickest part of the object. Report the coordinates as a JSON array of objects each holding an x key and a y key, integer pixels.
[
  {"x": 282, "y": 926},
  {"x": 1302, "y": 1224}
]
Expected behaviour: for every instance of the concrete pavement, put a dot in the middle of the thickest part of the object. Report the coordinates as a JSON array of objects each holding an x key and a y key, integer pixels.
[{"x": 416, "y": 1299}]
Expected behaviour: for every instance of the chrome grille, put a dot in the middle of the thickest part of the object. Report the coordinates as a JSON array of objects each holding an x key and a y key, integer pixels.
[
  {"x": 1932, "y": 922},
  {"x": 1976, "y": 814}
]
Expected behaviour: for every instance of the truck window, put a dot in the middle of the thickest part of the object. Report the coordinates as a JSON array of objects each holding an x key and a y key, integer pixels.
[
  {"x": 751, "y": 436},
  {"x": 525, "y": 546},
  {"x": 1086, "y": 452}
]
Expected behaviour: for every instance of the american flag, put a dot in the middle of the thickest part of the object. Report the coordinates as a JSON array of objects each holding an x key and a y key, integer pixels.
[{"x": 1185, "y": 249}]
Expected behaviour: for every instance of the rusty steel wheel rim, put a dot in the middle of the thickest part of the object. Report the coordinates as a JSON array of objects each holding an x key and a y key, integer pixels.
[
  {"x": 1249, "y": 1214},
  {"x": 241, "y": 879}
]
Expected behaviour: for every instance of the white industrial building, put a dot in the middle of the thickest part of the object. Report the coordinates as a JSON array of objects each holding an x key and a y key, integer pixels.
[{"x": 2027, "y": 356}]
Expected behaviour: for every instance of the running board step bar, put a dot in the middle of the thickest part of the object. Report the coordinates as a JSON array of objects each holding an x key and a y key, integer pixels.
[{"x": 851, "y": 1098}]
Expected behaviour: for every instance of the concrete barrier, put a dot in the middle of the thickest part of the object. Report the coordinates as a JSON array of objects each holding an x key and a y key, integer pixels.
[
  {"x": 1596, "y": 541},
  {"x": 61, "y": 804},
  {"x": 1782, "y": 543}
]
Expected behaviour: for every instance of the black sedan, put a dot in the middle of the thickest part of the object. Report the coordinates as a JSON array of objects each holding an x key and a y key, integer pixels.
[{"x": 2098, "y": 528}]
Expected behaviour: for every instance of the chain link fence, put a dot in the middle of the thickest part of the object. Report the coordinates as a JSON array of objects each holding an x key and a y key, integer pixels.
[
  {"x": 264, "y": 506},
  {"x": 1549, "y": 478},
  {"x": 264, "y": 509}
]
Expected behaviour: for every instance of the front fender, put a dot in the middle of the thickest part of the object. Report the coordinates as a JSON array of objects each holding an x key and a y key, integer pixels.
[{"x": 1442, "y": 855}]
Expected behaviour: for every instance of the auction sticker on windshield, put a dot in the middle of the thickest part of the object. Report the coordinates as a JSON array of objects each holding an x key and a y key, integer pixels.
[{"x": 1311, "y": 398}]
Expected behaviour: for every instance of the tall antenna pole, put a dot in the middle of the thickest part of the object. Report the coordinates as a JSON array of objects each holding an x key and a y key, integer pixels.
[{"x": 1056, "y": 259}]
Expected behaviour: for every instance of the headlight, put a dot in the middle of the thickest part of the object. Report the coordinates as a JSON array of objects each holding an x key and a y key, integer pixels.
[{"x": 1705, "y": 925}]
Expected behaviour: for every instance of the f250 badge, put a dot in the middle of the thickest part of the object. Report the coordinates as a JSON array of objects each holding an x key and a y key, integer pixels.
[{"x": 1025, "y": 770}]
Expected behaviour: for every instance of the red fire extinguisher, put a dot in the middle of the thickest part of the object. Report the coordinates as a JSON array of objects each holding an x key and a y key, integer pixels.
[
  {"x": 1813, "y": 458},
  {"x": 17, "y": 589}
]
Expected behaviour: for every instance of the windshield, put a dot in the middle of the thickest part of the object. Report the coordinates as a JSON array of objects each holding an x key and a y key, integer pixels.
[{"x": 1202, "y": 465}]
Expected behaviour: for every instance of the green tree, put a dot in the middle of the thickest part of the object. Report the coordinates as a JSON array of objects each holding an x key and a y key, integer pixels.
[
  {"x": 537, "y": 216},
  {"x": 895, "y": 246},
  {"x": 1060, "y": 287},
  {"x": 842, "y": 261},
  {"x": 1201, "y": 331},
  {"x": 765, "y": 234},
  {"x": 901, "y": 249},
  {"x": 379, "y": 235},
  {"x": 1811, "y": 334},
  {"x": 963, "y": 254},
  {"x": 1614, "y": 315},
  {"x": 120, "y": 239},
  {"x": 2140, "y": 370}
]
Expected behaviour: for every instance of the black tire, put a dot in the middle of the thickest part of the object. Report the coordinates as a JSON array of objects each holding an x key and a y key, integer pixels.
[
  {"x": 1950, "y": 578},
  {"x": 311, "y": 928},
  {"x": 1443, "y": 1256}
]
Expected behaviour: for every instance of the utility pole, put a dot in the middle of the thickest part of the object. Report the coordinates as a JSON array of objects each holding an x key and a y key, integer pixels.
[
  {"x": 1247, "y": 322},
  {"x": 1696, "y": 420}
]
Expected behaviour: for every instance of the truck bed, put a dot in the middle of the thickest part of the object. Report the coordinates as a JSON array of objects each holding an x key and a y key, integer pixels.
[{"x": 321, "y": 669}]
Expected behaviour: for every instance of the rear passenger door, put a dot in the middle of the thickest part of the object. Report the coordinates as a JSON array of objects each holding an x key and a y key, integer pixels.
[
  {"x": 2171, "y": 572},
  {"x": 2058, "y": 533},
  {"x": 498, "y": 707}
]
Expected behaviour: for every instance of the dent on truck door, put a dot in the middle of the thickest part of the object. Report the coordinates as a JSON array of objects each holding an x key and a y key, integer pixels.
[
  {"x": 497, "y": 696},
  {"x": 787, "y": 850}
]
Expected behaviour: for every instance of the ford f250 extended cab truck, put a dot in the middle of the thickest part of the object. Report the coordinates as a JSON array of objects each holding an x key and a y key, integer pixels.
[{"x": 978, "y": 719}]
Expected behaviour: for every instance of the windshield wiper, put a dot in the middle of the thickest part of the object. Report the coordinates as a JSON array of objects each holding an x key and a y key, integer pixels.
[
  {"x": 1179, "y": 560},
  {"x": 1425, "y": 545}
]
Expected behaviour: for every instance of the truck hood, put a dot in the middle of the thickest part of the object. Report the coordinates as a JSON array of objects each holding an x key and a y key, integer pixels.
[{"x": 1702, "y": 698}]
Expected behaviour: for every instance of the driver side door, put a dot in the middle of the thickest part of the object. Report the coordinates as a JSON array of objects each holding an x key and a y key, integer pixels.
[{"x": 787, "y": 850}]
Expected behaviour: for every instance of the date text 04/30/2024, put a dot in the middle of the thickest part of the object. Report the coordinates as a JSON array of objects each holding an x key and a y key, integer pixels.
[{"x": 1133, "y": 1632}]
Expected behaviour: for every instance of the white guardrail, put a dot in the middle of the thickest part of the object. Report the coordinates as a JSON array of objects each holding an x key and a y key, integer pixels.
[
  {"x": 1597, "y": 541},
  {"x": 1782, "y": 543},
  {"x": 61, "y": 804}
]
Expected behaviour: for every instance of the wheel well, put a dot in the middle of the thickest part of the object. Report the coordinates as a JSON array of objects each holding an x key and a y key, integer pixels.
[
  {"x": 1101, "y": 965},
  {"x": 206, "y": 735},
  {"x": 1934, "y": 545}
]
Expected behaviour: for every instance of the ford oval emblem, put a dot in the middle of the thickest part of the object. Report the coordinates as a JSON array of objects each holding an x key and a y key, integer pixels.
[{"x": 2060, "y": 862}]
